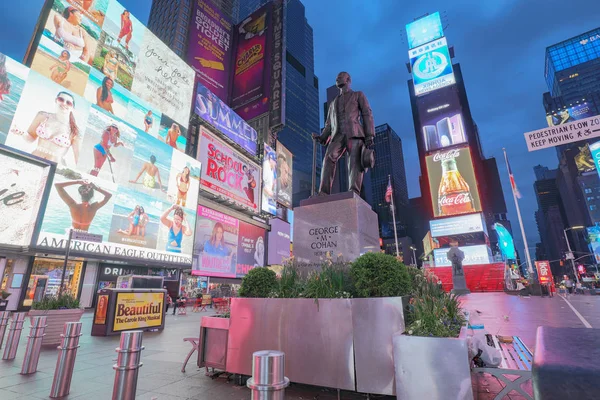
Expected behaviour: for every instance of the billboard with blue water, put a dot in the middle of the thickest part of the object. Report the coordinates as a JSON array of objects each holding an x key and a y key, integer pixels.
[
  {"x": 424, "y": 30},
  {"x": 431, "y": 66}
]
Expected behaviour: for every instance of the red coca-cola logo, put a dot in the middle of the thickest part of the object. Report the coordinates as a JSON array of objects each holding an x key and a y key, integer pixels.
[
  {"x": 441, "y": 156},
  {"x": 455, "y": 199}
]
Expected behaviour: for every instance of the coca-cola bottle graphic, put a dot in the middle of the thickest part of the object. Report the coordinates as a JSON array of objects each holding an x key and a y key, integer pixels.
[{"x": 454, "y": 195}]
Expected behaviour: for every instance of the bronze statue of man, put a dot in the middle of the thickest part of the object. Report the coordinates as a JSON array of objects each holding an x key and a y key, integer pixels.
[{"x": 349, "y": 127}]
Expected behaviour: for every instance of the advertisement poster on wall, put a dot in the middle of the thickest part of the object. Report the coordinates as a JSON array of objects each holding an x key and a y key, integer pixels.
[
  {"x": 226, "y": 247},
  {"x": 23, "y": 187},
  {"x": 441, "y": 118},
  {"x": 584, "y": 160},
  {"x": 279, "y": 241},
  {"x": 474, "y": 255},
  {"x": 431, "y": 66},
  {"x": 138, "y": 310},
  {"x": 544, "y": 272},
  {"x": 252, "y": 65},
  {"x": 209, "y": 47},
  {"x": 214, "y": 111},
  {"x": 112, "y": 179},
  {"x": 269, "y": 190},
  {"x": 570, "y": 114},
  {"x": 228, "y": 173},
  {"x": 284, "y": 176},
  {"x": 452, "y": 182},
  {"x": 102, "y": 52}
]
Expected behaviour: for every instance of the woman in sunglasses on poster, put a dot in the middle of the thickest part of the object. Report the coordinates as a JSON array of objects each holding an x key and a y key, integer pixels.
[
  {"x": 178, "y": 226},
  {"x": 56, "y": 132},
  {"x": 110, "y": 138}
]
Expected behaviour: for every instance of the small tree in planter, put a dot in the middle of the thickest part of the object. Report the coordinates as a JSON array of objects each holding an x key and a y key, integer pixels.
[
  {"x": 259, "y": 282},
  {"x": 58, "y": 311},
  {"x": 380, "y": 275}
]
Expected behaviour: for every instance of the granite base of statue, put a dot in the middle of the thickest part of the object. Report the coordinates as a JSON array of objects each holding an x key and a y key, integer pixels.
[
  {"x": 459, "y": 284},
  {"x": 339, "y": 226}
]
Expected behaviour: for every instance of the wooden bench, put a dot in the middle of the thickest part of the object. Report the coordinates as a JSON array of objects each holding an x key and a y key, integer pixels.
[{"x": 516, "y": 361}]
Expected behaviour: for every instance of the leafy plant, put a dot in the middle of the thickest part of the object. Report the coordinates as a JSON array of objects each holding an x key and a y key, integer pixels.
[
  {"x": 59, "y": 302},
  {"x": 260, "y": 282},
  {"x": 331, "y": 282},
  {"x": 380, "y": 275},
  {"x": 291, "y": 284}
]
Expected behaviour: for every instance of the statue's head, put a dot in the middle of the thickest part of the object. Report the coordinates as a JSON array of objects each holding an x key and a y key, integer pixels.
[{"x": 343, "y": 80}]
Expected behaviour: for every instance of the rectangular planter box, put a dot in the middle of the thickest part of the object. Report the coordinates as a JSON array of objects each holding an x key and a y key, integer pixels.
[
  {"x": 55, "y": 321},
  {"x": 212, "y": 349}
]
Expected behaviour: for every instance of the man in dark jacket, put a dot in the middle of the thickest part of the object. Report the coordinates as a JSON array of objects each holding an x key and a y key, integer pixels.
[{"x": 349, "y": 127}]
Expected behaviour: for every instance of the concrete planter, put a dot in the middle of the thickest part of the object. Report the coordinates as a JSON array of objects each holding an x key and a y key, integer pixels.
[
  {"x": 432, "y": 368},
  {"x": 55, "y": 321}
]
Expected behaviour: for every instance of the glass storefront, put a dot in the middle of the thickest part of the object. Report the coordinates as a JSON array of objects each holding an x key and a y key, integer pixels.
[
  {"x": 46, "y": 276},
  {"x": 8, "y": 268}
]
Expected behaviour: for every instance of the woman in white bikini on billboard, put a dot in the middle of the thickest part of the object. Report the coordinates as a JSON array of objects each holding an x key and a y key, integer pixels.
[{"x": 74, "y": 37}]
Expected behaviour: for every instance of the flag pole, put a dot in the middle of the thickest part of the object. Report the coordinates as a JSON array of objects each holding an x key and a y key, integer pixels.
[
  {"x": 394, "y": 217},
  {"x": 528, "y": 258}
]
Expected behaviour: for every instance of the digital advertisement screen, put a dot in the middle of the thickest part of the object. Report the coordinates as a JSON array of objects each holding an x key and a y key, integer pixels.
[
  {"x": 228, "y": 173},
  {"x": 570, "y": 114},
  {"x": 441, "y": 118},
  {"x": 452, "y": 182},
  {"x": 99, "y": 51},
  {"x": 279, "y": 242},
  {"x": 23, "y": 185},
  {"x": 226, "y": 247},
  {"x": 584, "y": 161},
  {"x": 269, "y": 173},
  {"x": 113, "y": 179},
  {"x": 284, "y": 176},
  {"x": 214, "y": 111},
  {"x": 595, "y": 153},
  {"x": 457, "y": 225},
  {"x": 474, "y": 255},
  {"x": 252, "y": 65},
  {"x": 505, "y": 242},
  {"x": 594, "y": 240},
  {"x": 431, "y": 66},
  {"x": 424, "y": 30},
  {"x": 210, "y": 47}
]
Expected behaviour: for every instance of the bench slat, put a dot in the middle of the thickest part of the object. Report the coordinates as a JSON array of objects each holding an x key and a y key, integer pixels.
[{"x": 523, "y": 351}]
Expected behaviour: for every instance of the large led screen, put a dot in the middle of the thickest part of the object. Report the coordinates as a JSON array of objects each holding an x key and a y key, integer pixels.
[
  {"x": 424, "y": 30},
  {"x": 570, "y": 114},
  {"x": 98, "y": 50},
  {"x": 226, "y": 172},
  {"x": 113, "y": 179},
  {"x": 431, "y": 66},
  {"x": 595, "y": 153},
  {"x": 452, "y": 182},
  {"x": 474, "y": 255},
  {"x": 441, "y": 119},
  {"x": 594, "y": 241},
  {"x": 269, "y": 173},
  {"x": 209, "y": 47},
  {"x": 225, "y": 246},
  {"x": 279, "y": 242},
  {"x": 284, "y": 175},
  {"x": 457, "y": 225}
]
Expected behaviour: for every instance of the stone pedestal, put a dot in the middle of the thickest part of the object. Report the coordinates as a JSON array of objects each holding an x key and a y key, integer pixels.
[
  {"x": 459, "y": 284},
  {"x": 341, "y": 224}
]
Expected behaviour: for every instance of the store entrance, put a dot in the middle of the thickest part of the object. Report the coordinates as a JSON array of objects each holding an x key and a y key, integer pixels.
[{"x": 46, "y": 275}]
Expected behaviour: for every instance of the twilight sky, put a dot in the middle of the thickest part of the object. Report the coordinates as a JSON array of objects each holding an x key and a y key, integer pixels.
[{"x": 500, "y": 45}]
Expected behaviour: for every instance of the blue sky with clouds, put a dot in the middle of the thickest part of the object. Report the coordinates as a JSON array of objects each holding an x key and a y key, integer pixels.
[{"x": 500, "y": 45}]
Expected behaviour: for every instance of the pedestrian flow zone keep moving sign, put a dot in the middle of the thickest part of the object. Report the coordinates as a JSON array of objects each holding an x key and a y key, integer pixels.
[{"x": 570, "y": 132}]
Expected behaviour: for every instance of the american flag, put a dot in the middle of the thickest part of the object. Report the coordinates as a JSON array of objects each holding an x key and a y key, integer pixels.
[
  {"x": 513, "y": 184},
  {"x": 388, "y": 191}
]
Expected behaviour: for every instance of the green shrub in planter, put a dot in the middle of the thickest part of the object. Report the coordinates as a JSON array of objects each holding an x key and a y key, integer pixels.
[
  {"x": 291, "y": 284},
  {"x": 60, "y": 302},
  {"x": 380, "y": 275},
  {"x": 260, "y": 282}
]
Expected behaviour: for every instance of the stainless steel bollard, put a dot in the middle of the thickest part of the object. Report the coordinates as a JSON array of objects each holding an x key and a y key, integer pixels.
[
  {"x": 4, "y": 316},
  {"x": 127, "y": 366},
  {"x": 34, "y": 345},
  {"x": 14, "y": 334},
  {"x": 268, "y": 380},
  {"x": 66, "y": 360}
]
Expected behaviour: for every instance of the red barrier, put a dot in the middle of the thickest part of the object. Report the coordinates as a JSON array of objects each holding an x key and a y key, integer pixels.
[{"x": 480, "y": 278}]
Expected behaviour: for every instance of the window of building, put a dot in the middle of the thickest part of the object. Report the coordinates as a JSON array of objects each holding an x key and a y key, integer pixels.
[
  {"x": 593, "y": 207},
  {"x": 46, "y": 276},
  {"x": 588, "y": 190},
  {"x": 7, "y": 271}
]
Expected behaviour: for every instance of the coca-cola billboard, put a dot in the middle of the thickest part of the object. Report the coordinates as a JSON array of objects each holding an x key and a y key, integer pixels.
[{"x": 452, "y": 182}]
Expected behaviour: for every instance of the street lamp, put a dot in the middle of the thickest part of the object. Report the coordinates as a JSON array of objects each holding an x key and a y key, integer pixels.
[
  {"x": 413, "y": 248},
  {"x": 570, "y": 251}
]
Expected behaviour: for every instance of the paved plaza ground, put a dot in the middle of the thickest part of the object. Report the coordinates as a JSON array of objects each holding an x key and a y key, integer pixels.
[{"x": 161, "y": 378}]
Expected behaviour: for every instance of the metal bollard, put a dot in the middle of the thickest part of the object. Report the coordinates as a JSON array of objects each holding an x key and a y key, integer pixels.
[
  {"x": 4, "y": 316},
  {"x": 34, "y": 345},
  {"x": 66, "y": 360},
  {"x": 14, "y": 334},
  {"x": 127, "y": 366},
  {"x": 268, "y": 380}
]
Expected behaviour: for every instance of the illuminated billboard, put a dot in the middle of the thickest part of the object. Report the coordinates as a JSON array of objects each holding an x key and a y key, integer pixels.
[
  {"x": 570, "y": 114},
  {"x": 225, "y": 246},
  {"x": 213, "y": 110},
  {"x": 505, "y": 242},
  {"x": 595, "y": 153},
  {"x": 584, "y": 161},
  {"x": 113, "y": 179},
  {"x": 441, "y": 119},
  {"x": 424, "y": 30},
  {"x": 226, "y": 172},
  {"x": 102, "y": 52},
  {"x": 431, "y": 66},
  {"x": 279, "y": 242},
  {"x": 284, "y": 175},
  {"x": 210, "y": 47},
  {"x": 457, "y": 225},
  {"x": 474, "y": 255},
  {"x": 452, "y": 182},
  {"x": 269, "y": 174},
  {"x": 594, "y": 240}
]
